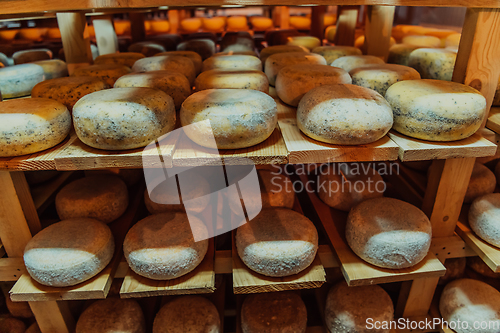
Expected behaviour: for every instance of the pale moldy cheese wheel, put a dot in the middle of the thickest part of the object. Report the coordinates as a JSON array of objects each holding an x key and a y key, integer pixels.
[
  {"x": 25, "y": 56},
  {"x": 193, "y": 56},
  {"x": 455, "y": 269},
  {"x": 174, "y": 84},
  {"x": 188, "y": 314},
  {"x": 332, "y": 53},
  {"x": 69, "y": 252},
  {"x": 241, "y": 62},
  {"x": 232, "y": 79},
  {"x": 53, "y": 68},
  {"x": 294, "y": 81},
  {"x": 343, "y": 186},
  {"x": 388, "y": 233},
  {"x": 18, "y": 80},
  {"x": 103, "y": 197},
  {"x": 239, "y": 118},
  {"x": 477, "y": 265},
  {"x": 275, "y": 62},
  {"x": 147, "y": 48},
  {"x": 108, "y": 73},
  {"x": 277, "y": 242},
  {"x": 400, "y": 54},
  {"x": 162, "y": 247},
  {"x": 30, "y": 125},
  {"x": 482, "y": 181},
  {"x": 435, "y": 64},
  {"x": 436, "y": 110},
  {"x": 68, "y": 90},
  {"x": 273, "y": 313},
  {"x": 344, "y": 114},
  {"x": 422, "y": 41},
  {"x": 123, "y": 118},
  {"x": 237, "y": 41},
  {"x": 112, "y": 315},
  {"x": 126, "y": 59},
  {"x": 204, "y": 47},
  {"x": 309, "y": 42},
  {"x": 470, "y": 302},
  {"x": 381, "y": 77},
  {"x": 351, "y": 309},
  {"x": 171, "y": 63},
  {"x": 484, "y": 219},
  {"x": 348, "y": 63},
  {"x": 270, "y": 50}
]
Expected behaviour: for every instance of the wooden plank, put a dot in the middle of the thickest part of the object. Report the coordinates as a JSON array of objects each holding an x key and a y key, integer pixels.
[
  {"x": 11, "y": 269},
  {"x": 378, "y": 30},
  {"x": 346, "y": 25},
  {"x": 411, "y": 149},
  {"x": 23, "y": 193},
  {"x": 317, "y": 22},
  {"x": 493, "y": 122},
  {"x": 173, "y": 18},
  {"x": 75, "y": 39},
  {"x": 107, "y": 41},
  {"x": 137, "y": 28},
  {"x": 415, "y": 297},
  {"x": 42, "y": 193},
  {"x": 451, "y": 247},
  {"x": 284, "y": 16},
  {"x": 53, "y": 316}
]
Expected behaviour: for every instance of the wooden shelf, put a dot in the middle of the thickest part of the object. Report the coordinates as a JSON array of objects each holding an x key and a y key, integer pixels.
[
  {"x": 42, "y": 193},
  {"x": 493, "y": 122}
]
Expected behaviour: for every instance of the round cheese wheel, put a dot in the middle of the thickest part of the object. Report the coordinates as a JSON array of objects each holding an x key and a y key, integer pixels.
[
  {"x": 455, "y": 269},
  {"x": 400, "y": 54},
  {"x": 126, "y": 59},
  {"x": 237, "y": 23},
  {"x": 18, "y": 309},
  {"x": 9, "y": 324},
  {"x": 348, "y": 63},
  {"x": 453, "y": 39},
  {"x": 261, "y": 23},
  {"x": 33, "y": 329},
  {"x": 30, "y": 125},
  {"x": 193, "y": 56},
  {"x": 168, "y": 41},
  {"x": 188, "y": 314},
  {"x": 435, "y": 64},
  {"x": 344, "y": 114},
  {"x": 25, "y": 56},
  {"x": 388, "y": 233},
  {"x": 329, "y": 19},
  {"x": 40, "y": 176},
  {"x": 483, "y": 218},
  {"x": 123, "y": 118},
  {"x": 162, "y": 247},
  {"x": 172, "y": 63},
  {"x": 300, "y": 22},
  {"x": 4, "y": 60},
  {"x": 330, "y": 33},
  {"x": 174, "y": 84},
  {"x": 232, "y": 79},
  {"x": 275, "y": 62},
  {"x": 122, "y": 27},
  {"x": 68, "y": 90},
  {"x": 69, "y": 252},
  {"x": 360, "y": 42},
  {"x": 8, "y": 34},
  {"x": 104, "y": 198},
  {"x": 214, "y": 23},
  {"x": 270, "y": 50},
  {"x": 238, "y": 118},
  {"x": 482, "y": 181},
  {"x": 17, "y": 81},
  {"x": 53, "y": 68},
  {"x": 348, "y": 309},
  {"x": 107, "y": 73},
  {"x": 477, "y": 265},
  {"x": 112, "y": 315},
  {"x": 192, "y": 24},
  {"x": 204, "y": 47},
  {"x": 470, "y": 302},
  {"x": 436, "y": 110},
  {"x": 294, "y": 81},
  {"x": 232, "y": 62},
  {"x": 277, "y": 242},
  {"x": 332, "y": 53},
  {"x": 31, "y": 34},
  {"x": 273, "y": 313},
  {"x": 148, "y": 48},
  {"x": 343, "y": 186},
  {"x": 422, "y": 41},
  {"x": 159, "y": 26},
  {"x": 251, "y": 53},
  {"x": 381, "y": 77},
  {"x": 308, "y": 42},
  {"x": 237, "y": 41}
]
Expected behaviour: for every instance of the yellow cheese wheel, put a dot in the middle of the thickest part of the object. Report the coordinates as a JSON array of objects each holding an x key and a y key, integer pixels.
[
  {"x": 159, "y": 26},
  {"x": 300, "y": 22},
  {"x": 122, "y": 27},
  {"x": 330, "y": 33},
  {"x": 53, "y": 33},
  {"x": 348, "y": 63},
  {"x": 33, "y": 34},
  {"x": 242, "y": 62},
  {"x": 193, "y": 56},
  {"x": 329, "y": 19},
  {"x": 400, "y": 54},
  {"x": 422, "y": 41},
  {"x": 360, "y": 42},
  {"x": 8, "y": 34},
  {"x": 308, "y": 42},
  {"x": 237, "y": 23},
  {"x": 261, "y": 23},
  {"x": 191, "y": 24},
  {"x": 172, "y": 63},
  {"x": 453, "y": 40},
  {"x": 18, "y": 80},
  {"x": 22, "y": 57},
  {"x": 232, "y": 79},
  {"x": 53, "y": 68},
  {"x": 126, "y": 59},
  {"x": 277, "y": 61},
  {"x": 214, "y": 23},
  {"x": 107, "y": 73},
  {"x": 435, "y": 64},
  {"x": 331, "y": 53}
]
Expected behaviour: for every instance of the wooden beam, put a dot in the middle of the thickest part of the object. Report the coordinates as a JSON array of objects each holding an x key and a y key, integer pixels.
[
  {"x": 137, "y": 28},
  {"x": 415, "y": 297},
  {"x": 54, "y": 316},
  {"x": 346, "y": 25},
  {"x": 317, "y": 22},
  {"x": 378, "y": 30},
  {"x": 26, "y": 200},
  {"x": 173, "y": 19},
  {"x": 107, "y": 41},
  {"x": 284, "y": 12},
  {"x": 75, "y": 39}
]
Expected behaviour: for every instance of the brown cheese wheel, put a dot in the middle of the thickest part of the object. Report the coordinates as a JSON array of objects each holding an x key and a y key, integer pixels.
[
  {"x": 482, "y": 181},
  {"x": 108, "y": 73}
]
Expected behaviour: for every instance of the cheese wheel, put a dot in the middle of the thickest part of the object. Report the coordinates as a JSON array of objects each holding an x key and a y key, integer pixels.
[
  {"x": 17, "y": 309},
  {"x": 162, "y": 247},
  {"x": 278, "y": 242},
  {"x": 172, "y": 63},
  {"x": 188, "y": 314},
  {"x": 69, "y": 252},
  {"x": 332, "y": 53},
  {"x": 435, "y": 64},
  {"x": 168, "y": 41},
  {"x": 122, "y": 27},
  {"x": 329, "y": 19},
  {"x": 33, "y": 329},
  {"x": 261, "y": 23},
  {"x": 348, "y": 309},
  {"x": 482, "y": 181},
  {"x": 237, "y": 23},
  {"x": 30, "y": 125},
  {"x": 232, "y": 79},
  {"x": 343, "y": 186},
  {"x": 53, "y": 68},
  {"x": 436, "y": 110},
  {"x": 40, "y": 176},
  {"x": 344, "y": 115},
  {"x": 204, "y": 47},
  {"x": 238, "y": 118},
  {"x": 214, "y": 23},
  {"x": 192, "y": 24},
  {"x": 360, "y": 42},
  {"x": 483, "y": 218},
  {"x": 308, "y": 42},
  {"x": 276, "y": 312},
  {"x": 453, "y": 40},
  {"x": 18, "y": 80},
  {"x": 123, "y": 118},
  {"x": 126, "y": 59},
  {"x": 477, "y": 265},
  {"x": 275, "y": 62},
  {"x": 193, "y": 56},
  {"x": 4, "y": 60},
  {"x": 237, "y": 41},
  {"x": 108, "y": 73},
  {"x": 68, "y": 90},
  {"x": 31, "y": 34},
  {"x": 422, "y": 41},
  {"x": 348, "y": 63},
  {"x": 174, "y": 84},
  {"x": 232, "y": 62},
  {"x": 300, "y": 22},
  {"x": 270, "y": 50},
  {"x": 251, "y": 53},
  {"x": 148, "y": 48},
  {"x": 9, "y": 324},
  {"x": 25, "y": 56},
  {"x": 294, "y": 81},
  {"x": 381, "y": 77},
  {"x": 103, "y": 197},
  {"x": 8, "y": 34},
  {"x": 159, "y": 26},
  {"x": 400, "y": 54},
  {"x": 388, "y": 233},
  {"x": 470, "y": 302},
  {"x": 112, "y": 315},
  {"x": 455, "y": 269},
  {"x": 330, "y": 33}
]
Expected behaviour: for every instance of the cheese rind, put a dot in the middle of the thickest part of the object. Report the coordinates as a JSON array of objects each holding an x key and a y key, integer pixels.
[
  {"x": 204, "y": 47},
  {"x": 275, "y": 62},
  {"x": 171, "y": 63},
  {"x": 18, "y": 80},
  {"x": 437, "y": 64},
  {"x": 107, "y": 73},
  {"x": 53, "y": 68},
  {"x": 193, "y": 56},
  {"x": 482, "y": 181},
  {"x": 348, "y": 63},
  {"x": 331, "y": 53},
  {"x": 308, "y": 42},
  {"x": 126, "y": 59},
  {"x": 241, "y": 62},
  {"x": 484, "y": 218},
  {"x": 148, "y": 48},
  {"x": 422, "y": 41},
  {"x": 270, "y": 50},
  {"x": 400, "y": 54},
  {"x": 436, "y": 110},
  {"x": 26, "y": 56},
  {"x": 232, "y": 79}
]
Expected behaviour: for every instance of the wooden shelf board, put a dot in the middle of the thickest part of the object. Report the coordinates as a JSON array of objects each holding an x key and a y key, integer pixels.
[
  {"x": 42, "y": 193},
  {"x": 11, "y": 269},
  {"x": 493, "y": 122},
  {"x": 411, "y": 149}
]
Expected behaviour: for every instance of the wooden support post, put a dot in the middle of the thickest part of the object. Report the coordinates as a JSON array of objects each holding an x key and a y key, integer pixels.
[
  {"x": 24, "y": 194},
  {"x": 284, "y": 17},
  {"x": 107, "y": 41},
  {"x": 75, "y": 39},
  {"x": 378, "y": 30},
  {"x": 137, "y": 28},
  {"x": 173, "y": 19},
  {"x": 415, "y": 297},
  {"x": 346, "y": 25},
  {"x": 53, "y": 316},
  {"x": 318, "y": 22}
]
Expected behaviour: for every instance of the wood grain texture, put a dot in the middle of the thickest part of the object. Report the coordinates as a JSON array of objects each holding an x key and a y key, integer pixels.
[
  {"x": 451, "y": 247},
  {"x": 137, "y": 28},
  {"x": 75, "y": 38},
  {"x": 317, "y": 22},
  {"x": 493, "y": 122},
  {"x": 53, "y": 316},
  {"x": 107, "y": 41},
  {"x": 11, "y": 269},
  {"x": 378, "y": 30},
  {"x": 25, "y": 199},
  {"x": 346, "y": 25},
  {"x": 415, "y": 297}
]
